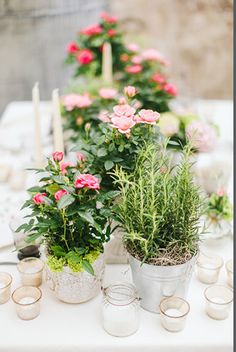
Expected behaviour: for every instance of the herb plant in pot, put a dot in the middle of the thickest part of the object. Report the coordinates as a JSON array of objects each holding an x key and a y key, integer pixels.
[
  {"x": 69, "y": 215},
  {"x": 159, "y": 210}
]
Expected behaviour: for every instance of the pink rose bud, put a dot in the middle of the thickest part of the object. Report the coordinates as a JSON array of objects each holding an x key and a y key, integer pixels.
[
  {"x": 134, "y": 69},
  {"x": 107, "y": 93},
  {"x": 92, "y": 30},
  {"x": 122, "y": 101},
  {"x": 80, "y": 157},
  {"x": 39, "y": 198},
  {"x": 84, "y": 57},
  {"x": 57, "y": 156},
  {"x": 59, "y": 194},
  {"x": 87, "y": 181},
  {"x": 72, "y": 48},
  {"x": 87, "y": 126},
  {"x": 130, "y": 91},
  {"x": 63, "y": 167},
  {"x": 170, "y": 88},
  {"x": 221, "y": 192}
]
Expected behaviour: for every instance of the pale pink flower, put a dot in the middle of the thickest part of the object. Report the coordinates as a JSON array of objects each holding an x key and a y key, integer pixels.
[
  {"x": 72, "y": 101},
  {"x": 92, "y": 30},
  {"x": 39, "y": 198},
  {"x": 103, "y": 116},
  {"x": 72, "y": 48},
  {"x": 87, "y": 181},
  {"x": 124, "y": 110},
  {"x": 168, "y": 124},
  {"x": 151, "y": 55},
  {"x": 221, "y": 192},
  {"x": 57, "y": 156},
  {"x": 122, "y": 123},
  {"x": 80, "y": 157},
  {"x": 130, "y": 91},
  {"x": 136, "y": 60},
  {"x": 87, "y": 126},
  {"x": 133, "y": 47},
  {"x": 122, "y": 101},
  {"x": 202, "y": 135},
  {"x": 158, "y": 78},
  {"x": 147, "y": 116},
  {"x": 107, "y": 93},
  {"x": 108, "y": 18},
  {"x": 134, "y": 69},
  {"x": 59, "y": 194},
  {"x": 64, "y": 165},
  {"x": 170, "y": 88}
]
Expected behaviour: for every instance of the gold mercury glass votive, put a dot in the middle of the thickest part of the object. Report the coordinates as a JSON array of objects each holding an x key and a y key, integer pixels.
[
  {"x": 230, "y": 272},
  {"x": 5, "y": 287},
  {"x": 208, "y": 268},
  {"x": 173, "y": 313},
  {"x": 218, "y": 301},
  {"x": 27, "y": 301},
  {"x": 31, "y": 270}
]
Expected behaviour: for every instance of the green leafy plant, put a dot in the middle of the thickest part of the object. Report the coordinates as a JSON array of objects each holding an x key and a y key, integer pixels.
[
  {"x": 70, "y": 214},
  {"x": 159, "y": 208},
  {"x": 219, "y": 207}
]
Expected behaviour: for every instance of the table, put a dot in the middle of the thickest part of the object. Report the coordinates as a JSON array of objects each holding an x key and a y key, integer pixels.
[{"x": 71, "y": 328}]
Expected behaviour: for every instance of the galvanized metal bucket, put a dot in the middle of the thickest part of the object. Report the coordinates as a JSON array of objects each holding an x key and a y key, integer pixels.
[{"x": 155, "y": 282}]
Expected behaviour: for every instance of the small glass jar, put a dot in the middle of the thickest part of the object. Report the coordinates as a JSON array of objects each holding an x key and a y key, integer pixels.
[
  {"x": 31, "y": 270},
  {"x": 27, "y": 300},
  {"x": 230, "y": 272},
  {"x": 208, "y": 268},
  {"x": 174, "y": 311},
  {"x": 120, "y": 311},
  {"x": 218, "y": 301},
  {"x": 5, "y": 287}
]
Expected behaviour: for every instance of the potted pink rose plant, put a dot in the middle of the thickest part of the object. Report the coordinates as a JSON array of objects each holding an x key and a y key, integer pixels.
[{"x": 70, "y": 216}]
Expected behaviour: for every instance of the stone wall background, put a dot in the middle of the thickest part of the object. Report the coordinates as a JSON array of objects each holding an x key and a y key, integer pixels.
[{"x": 196, "y": 35}]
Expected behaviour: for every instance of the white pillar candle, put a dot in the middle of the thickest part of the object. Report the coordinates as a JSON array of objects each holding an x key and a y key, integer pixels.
[
  {"x": 37, "y": 127},
  {"x": 107, "y": 64},
  {"x": 57, "y": 123}
]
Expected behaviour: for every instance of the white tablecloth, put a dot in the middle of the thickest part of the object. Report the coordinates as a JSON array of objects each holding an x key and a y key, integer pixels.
[{"x": 71, "y": 328}]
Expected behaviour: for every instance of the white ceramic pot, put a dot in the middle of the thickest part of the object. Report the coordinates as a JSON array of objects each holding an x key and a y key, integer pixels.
[{"x": 78, "y": 287}]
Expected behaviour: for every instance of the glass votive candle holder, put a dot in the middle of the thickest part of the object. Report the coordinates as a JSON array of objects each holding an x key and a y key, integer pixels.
[
  {"x": 230, "y": 272},
  {"x": 31, "y": 270},
  {"x": 120, "y": 311},
  {"x": 208, "y": 268},
  {"x": 27, "y": 300},
  {"x": 173, "y": 313},
  {"x": 218, "y": 301},
  {"x": 5, "y": 287}
]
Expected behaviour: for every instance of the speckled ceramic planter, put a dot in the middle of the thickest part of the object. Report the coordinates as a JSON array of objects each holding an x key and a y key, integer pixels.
[{"x": 72, "y": 287}]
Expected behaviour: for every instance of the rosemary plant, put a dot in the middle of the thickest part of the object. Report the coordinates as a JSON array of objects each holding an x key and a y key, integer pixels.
[{"x": 159, "y": 208}]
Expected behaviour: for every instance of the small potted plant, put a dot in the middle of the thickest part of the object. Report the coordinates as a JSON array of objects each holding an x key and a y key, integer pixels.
[
  {"x": 159, "y": 209},
  {"x": 69, "y": 214},
  {"x": 218, "y": 215}
]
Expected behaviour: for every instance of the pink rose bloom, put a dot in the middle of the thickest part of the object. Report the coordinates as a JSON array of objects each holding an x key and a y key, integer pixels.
[
  {"x": 59, "y": 194},
  {"x": 201, "y": 135},
  {"x": 134, "y": 69},
  {"x": 72, "y": 101},
  {"x": 80, "y": 157},
  {"x": 158, "y": 78},
  {"x": 147, "y": 116},
  {"x": 39, "y": 198},
  {"x": 133, "y": 47},
  {"x": 107, "y": 18},
  {"x": 221, "y": 192},
  {"x": 111, "y": 32},
  {"x": 57, "y": 156},
  {"x": 72, "y": 48},
  {"x": 85, "y": 57},
  {"x": 122, "y": 101},
  {"x": 170, "y": 88},
  {"x": 63, "y": 167},
  {"x": 124, "y": 110},
  {"x": 151, "y": 55},
  {"x": 107, "y": 93},
  {"x": 130, "y": 91},
  {"x": 136, "y": 60},
  {"x": 103, "y": 116},
  {"x": 122, "y": 123},
  {"x": 92, "y": 30},
  {"x": 88, "y": 181},
  {"x": 124, "y": 57}
]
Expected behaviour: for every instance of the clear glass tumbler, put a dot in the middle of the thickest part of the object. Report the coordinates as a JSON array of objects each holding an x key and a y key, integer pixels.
[
  {"x": 230, "y": 272},
  {"x": 120, "y": 311},
  {"x": 31, "y": 271},
  {"x": 27, "y": 300},
  {"x": 208, "y": 268},
  {"x": 174, "y": 311},
  {"x": 219, "y": 299},
  {"x": 5, "y": 287}
]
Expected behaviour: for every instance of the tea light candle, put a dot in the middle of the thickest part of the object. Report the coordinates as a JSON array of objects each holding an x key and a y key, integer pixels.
[
  {"x": 230, "y": 272},
  {"x": 31, "y": 271},
  {"x": 218, "y": 301},
  {"x": 208, "y": 268},
  {"x": 5, "y": 287},
  {"x": 174, "y": 311},
  {"x": 27, "y": 300}
]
